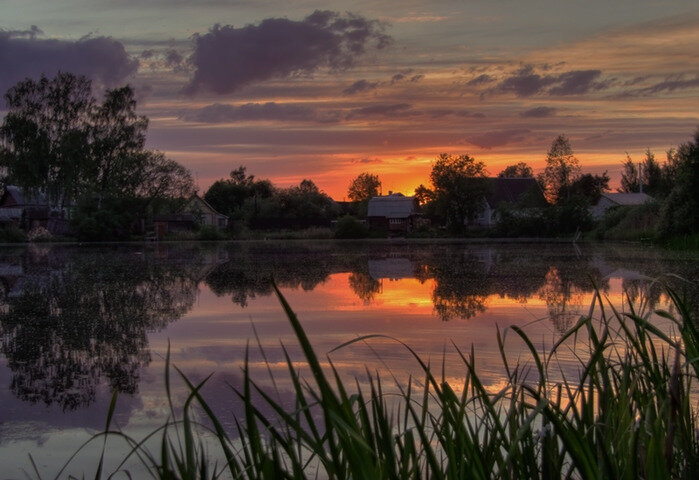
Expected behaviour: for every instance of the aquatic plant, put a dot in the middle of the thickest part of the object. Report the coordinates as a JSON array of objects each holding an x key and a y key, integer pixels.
[{"x": 630, "y": 412}]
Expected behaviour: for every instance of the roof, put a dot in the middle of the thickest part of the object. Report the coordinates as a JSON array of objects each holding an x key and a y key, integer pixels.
[
  {"x": 206, "y": 205},
  {"x": 22, "y": 198},
  {"x": 175, "y": 217},
  {"x": 395, "y": 205},
  {"x": 509, "y": 189},
  {"x": 628, "y": 198}
]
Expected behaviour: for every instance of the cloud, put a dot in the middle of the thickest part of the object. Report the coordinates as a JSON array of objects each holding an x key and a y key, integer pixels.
[
  {"x": 227, "y": 58},
  {"x": 480, "y": 80},
  {"x": 539, "y": 112},
  {"x": 360, "y": 86},
  {"x": 270, "y": 111},
  {"x": 381, "y": 110},
  {"x": 102, "y": 59},
  {"x": 671, "y": 84},
  {"x": 498, "y": 138},
  {"x": 526, "y": 82},
  {"x": 173, "y": 58}
]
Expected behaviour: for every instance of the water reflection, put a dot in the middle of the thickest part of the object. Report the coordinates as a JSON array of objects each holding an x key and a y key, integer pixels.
[{"x": 73, "y": 318}]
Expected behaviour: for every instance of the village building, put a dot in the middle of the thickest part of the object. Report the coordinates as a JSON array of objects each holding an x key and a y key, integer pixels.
[
  {"x": 197, "y": 212},
  {"x": 28, "y": 210},
  {"x": 611, "y": 200},
  {"x": 394, "y": 213}
]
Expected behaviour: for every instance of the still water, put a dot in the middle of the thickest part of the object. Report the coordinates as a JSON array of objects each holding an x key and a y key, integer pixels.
[{"x": 80, "y": 322}]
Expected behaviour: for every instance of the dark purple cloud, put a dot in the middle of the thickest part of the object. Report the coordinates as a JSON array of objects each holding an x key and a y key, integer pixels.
[
  {"x": 381, "y": 110},
  {"x": 539, "y": 112},
  {"x": 360, "y": 86},
  {"x": 227, "y": 58},
  {"x": 102, "y": 59},
  {"x": 173, "y": 58},
  {"x": 270, "y": 111},
  {"x": 498, "y": 138},
  {"x": 671, "y": 84},
  {"x": 480, "y": 80},
  {"x": 526, "y": 82}
]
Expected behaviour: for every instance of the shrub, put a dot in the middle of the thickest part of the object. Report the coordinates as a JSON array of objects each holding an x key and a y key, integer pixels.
[
  {"x": 350, "y": 227},
  {"x": 12, "y": 235},
  {"x": 39, "y": 234},
  {"x": 210, "y": 232}
]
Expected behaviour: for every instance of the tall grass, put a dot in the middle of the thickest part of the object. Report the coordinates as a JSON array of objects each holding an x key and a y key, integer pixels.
[{"x": 630, "y": 412}]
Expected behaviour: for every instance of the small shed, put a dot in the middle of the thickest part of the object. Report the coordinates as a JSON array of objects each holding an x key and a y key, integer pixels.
[
  {"x": 205, "y": 213},
  {"x": 23, "y": 209},
  {"x": 611, "y": 200},
  {"x": 393, "y": 212}
]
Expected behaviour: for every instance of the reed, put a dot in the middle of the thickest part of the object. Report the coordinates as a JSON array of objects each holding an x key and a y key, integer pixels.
[{"x": 630, "y": 412}]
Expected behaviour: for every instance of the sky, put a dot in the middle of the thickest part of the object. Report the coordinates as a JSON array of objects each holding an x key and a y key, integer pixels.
[{"x": 329, "y": 89}]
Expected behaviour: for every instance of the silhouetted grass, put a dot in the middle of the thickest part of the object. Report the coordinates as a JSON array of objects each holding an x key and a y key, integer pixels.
[{"x": 629, "y": 413}]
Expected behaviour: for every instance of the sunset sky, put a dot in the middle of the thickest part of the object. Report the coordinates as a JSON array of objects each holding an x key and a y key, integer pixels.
[{"x": 329, "y": 89}]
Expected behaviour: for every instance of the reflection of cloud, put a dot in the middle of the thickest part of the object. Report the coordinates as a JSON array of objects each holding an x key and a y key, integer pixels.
[
  {"x": 498, "y": 138},
  {"x": 228, "y": 58},
  {"x": 102, "y": 59}
]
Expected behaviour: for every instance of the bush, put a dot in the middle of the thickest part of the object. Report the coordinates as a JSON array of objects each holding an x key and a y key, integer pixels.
[
  {"x": 39, "y": 234},
  {"x": 12, "y": 235},
  {"x": 350, "y": 227},
  {"x": 633, "y": 222},
  {"x": 210, "y": 232}
]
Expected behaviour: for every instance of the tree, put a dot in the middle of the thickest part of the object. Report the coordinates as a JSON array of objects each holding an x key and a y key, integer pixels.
[
  {"x": 459, "y": 187},
  {"x": 232, "y": 195},
  {"x": 562, "y": 168},
  {"x": 590, "y": 186},
  {"x": 629, "y": 176},
  {"x": 364, "y": 187},
  {"x": 680, "y": 211},
  {"x": 519, "y": 170},
  {"x": 45, "y": 136}
]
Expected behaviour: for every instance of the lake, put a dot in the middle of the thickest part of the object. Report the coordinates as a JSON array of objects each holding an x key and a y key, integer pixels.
[{"x": 78, "y": 322}]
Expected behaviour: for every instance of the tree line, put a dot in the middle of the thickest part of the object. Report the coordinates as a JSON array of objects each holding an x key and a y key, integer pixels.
[{"x": 88, "y": 156}]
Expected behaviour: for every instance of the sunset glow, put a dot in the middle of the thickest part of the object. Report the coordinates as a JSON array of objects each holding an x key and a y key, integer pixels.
[{"x": 327, "y": 90}]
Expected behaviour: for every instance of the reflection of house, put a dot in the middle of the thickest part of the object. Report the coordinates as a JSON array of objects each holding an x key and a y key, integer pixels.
[
  {"x": 507, "y": 190},
  {"x": 391, "y": 268},
  {"x": 394, "y": 213},
  {"x": 611, "y": 200},
  {"x": 205, "y": 213}
]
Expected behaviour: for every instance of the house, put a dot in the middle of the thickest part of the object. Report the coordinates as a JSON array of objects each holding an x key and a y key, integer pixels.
[
  {"x": 26, "y": 210},
  {"x": 507, "y": 190},
  {"x": 173, "y": 223},
  {"x": 394, "y": 213},
  {"x": 205, "y": 213},
  {"x": 611, "y": 200}
]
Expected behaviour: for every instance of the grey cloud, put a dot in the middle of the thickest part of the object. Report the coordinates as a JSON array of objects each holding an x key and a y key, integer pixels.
[
  {"x": 417, "y": 78},
  {"x": 480, "y": 80},
  {"x": 397, "y": 78},
  {"x": 671, "y": 84},
  {"x": 498, "y": 138},
  {"x": 577, "y": 82},
  {"x": 173, "y": 58},
  {"x": 227, "y": 58},
  {"x": 360, "y": 86},
  {"x": 539, "y": 112},
  {"x": 102, "y": 59},
  {"x": 526, "y": 82},
  {"x": 270, "y": 111},
  {"x": 381, "y": 110},
  {"x": 32, "y": 32}
]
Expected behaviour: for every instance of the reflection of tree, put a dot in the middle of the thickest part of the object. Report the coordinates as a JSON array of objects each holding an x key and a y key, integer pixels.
[
  {"x": 73, "y": 319},
  {"x": 364, "y": 286},
  {"x": 562, "y": 302},
  {"x": 249, "y": 272}
]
